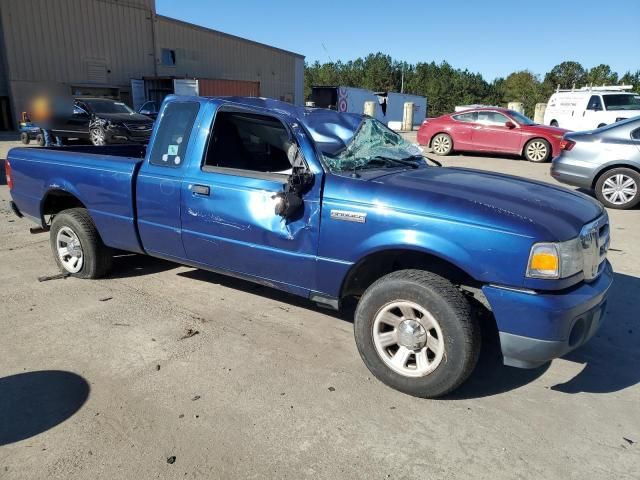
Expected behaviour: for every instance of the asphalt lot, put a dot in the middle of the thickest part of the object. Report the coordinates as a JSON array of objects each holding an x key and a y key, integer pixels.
[{"x": 105, "y": 379}]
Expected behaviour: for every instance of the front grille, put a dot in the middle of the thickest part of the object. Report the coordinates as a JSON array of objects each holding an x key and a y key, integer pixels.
[
  {"x": 595, "y": 240},
  {"x": 139, "y": 127}
]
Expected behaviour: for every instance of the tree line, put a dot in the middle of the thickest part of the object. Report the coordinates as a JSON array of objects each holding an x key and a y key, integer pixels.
[{"x": 446, "y": 86}]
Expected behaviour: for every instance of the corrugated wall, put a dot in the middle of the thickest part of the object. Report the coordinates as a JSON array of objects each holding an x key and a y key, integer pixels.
[
  {"x": 203, "y": 53},
  {"x": 59, "y": 40},
  {"x": 221, "y": 88}
]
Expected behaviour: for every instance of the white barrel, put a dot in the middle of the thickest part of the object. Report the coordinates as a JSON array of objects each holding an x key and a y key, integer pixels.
[
  {"x": 516, "y": 106},
  {"x": 538, "y": 116},
  {"x": 407, "y": 117},
  {"x": 370, "y": 109}
]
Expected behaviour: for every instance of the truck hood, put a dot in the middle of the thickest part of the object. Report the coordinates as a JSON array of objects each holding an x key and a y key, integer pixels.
[{"x": 536, "y": 209}]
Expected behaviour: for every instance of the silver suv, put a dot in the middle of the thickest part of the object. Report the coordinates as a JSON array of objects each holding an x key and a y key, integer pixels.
[{"x": 606, "y": 161}]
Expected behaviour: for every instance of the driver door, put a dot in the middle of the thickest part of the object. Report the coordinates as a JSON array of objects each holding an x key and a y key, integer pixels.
[
  {"x": 490, "y": 134},
  {"x": 228, "y": 217},
  {"x": 591, "y": 115}
]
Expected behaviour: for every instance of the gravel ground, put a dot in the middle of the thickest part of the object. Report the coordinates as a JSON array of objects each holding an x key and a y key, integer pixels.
[{"x": 164, "y": 371}]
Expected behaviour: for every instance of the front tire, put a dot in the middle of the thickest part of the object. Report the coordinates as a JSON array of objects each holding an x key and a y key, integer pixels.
[
  {"x": 24, "y": 138},
  {"x": 619, "y": 188},
  {"x": 77, "y": 246},
  {"x": 416, "y": 333},
  {"x": 98, "y": 136},
  {"x": 442, "y": 144},
  {"x": 537, "y": 150}
]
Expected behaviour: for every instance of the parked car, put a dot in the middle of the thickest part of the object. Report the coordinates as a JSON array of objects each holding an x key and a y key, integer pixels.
[
  {"x": 103, "y": 121},
  {"x": 149, "y": 109},
  {"x": 331, "y": 206},
  {"x": 606, "y": 160},
  {"x": 491, "y": 129},
  {"x": 591, "y": 107}
]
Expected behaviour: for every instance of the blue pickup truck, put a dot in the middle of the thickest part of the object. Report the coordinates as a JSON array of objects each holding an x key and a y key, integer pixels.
[{"x": 332, "y": 206}]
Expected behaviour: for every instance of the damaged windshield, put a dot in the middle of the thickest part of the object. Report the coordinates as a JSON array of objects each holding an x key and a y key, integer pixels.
[{"x": 375, "y": 146}]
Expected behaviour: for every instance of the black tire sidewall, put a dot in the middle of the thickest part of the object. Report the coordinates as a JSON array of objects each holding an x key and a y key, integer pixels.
[
  {"x": 24, "y": 138},
  {"x": 547, "y": 144},
  {"x": 625, "y": 171},
  {"x": 73, "y": 219},
  {"x": 453, "y": 368}
]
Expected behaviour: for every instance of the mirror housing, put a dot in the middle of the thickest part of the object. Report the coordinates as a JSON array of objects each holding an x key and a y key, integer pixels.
[{"x": 509, "y": 124}]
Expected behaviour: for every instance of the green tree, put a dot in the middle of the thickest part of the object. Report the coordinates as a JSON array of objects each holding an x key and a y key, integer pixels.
[
  {"x": 601, "y": 75},
  {"x": 631, "y": 79},
  {"x": 523, "y": 86},
  {"x": 566, "y": 75}
]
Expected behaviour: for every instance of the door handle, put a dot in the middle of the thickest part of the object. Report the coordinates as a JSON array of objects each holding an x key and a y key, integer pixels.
[{"x": 202, "y": 190}]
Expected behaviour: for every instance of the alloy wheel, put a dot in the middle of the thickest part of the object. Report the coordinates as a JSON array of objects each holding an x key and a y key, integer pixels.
[
  {"x": 537, "y": 151},
  {"x": 69, "y": 250},
  {"x": 408, "y": 339},
  {"x": 619, "y": 189}
]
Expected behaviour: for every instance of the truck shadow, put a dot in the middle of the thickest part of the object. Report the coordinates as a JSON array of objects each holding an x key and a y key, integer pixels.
[
  {"x": 34, "y": 402},
  {"x": 612, "y": 358}
]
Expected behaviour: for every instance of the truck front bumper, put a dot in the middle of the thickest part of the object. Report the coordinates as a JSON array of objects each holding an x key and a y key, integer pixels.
[{"x": 536, "y": 327}]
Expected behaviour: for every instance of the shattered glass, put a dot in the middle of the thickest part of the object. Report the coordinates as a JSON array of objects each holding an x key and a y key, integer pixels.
[{"x": 374, "y": 145}]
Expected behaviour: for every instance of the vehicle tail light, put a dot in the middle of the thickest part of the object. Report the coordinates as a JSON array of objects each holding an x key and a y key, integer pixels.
[
  {"x": 566, "y": 144},
  {"x": 7, "y": 169}
]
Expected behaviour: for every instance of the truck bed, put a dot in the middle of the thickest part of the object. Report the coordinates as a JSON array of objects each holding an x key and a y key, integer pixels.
[{"x": 102, "y": 178}]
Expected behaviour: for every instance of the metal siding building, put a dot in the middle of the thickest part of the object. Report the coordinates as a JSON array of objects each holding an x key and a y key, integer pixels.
[{"x": 97, "y": 47}]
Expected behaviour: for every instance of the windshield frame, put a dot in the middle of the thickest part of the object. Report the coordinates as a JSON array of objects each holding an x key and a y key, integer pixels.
[{"x": 517, "y": 116}]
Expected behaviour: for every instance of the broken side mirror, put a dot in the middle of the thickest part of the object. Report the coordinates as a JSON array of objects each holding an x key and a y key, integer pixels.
[{"x": 289, "y": 202}]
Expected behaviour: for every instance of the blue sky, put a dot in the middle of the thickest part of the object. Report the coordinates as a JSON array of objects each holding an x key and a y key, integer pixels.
[{"x": 493, "y": 37}]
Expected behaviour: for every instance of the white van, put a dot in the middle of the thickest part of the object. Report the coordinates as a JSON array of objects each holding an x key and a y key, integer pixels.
[{"x": 591, "y": 107}]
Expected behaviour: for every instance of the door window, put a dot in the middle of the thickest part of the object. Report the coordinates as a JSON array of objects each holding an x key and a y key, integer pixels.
[
  {"x": 466, "y": 117},
  {"x": 492, "y": 118},
  {"x": 636, "y": 134},
  {"x": 248, "y": 142},
  {"x": 594, "y": 103},
  {"x": 172, "y": 137}
]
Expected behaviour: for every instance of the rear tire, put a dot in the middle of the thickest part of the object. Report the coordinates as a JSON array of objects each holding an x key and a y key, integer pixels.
[
  {"x": 40, "y": 139},
  {"x": 537, "y": 150},
  {"x": 416, "y": 333},
  {"x": 442, "y": 144},
  {"x": 24, "y": 138},
  {"x": 619, "y": 188},
  {"x": 554, "y": 123},
  {"x": 76, "y": 245}
]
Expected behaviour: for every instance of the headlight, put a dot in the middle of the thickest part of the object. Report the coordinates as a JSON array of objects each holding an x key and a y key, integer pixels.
[{"x": 555, "y": 260}]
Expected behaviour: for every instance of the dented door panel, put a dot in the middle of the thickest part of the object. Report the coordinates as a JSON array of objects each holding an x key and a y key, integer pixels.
[{"x": 235, "y": 228}]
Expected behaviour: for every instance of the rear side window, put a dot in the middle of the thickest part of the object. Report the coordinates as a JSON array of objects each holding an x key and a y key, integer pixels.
[
  {"x": 173, "y": 134},
  {"x": 250, "y": 142},
  {"x": 636, "y": 134},
  {"x": 466, "y": 117}
]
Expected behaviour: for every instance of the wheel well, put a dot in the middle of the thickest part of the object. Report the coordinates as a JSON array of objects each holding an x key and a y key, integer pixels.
[
  {"x": 378, "y": 264},
  {"x": 57, "y": 200},
  {"x": 611, "y": 167},
  {"x": 438, "y": 133},
  {"x": 524, "y": 147}
]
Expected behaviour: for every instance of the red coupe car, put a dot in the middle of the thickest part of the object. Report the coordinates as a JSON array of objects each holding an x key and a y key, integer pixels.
[{"x": 491, "y": 129}]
